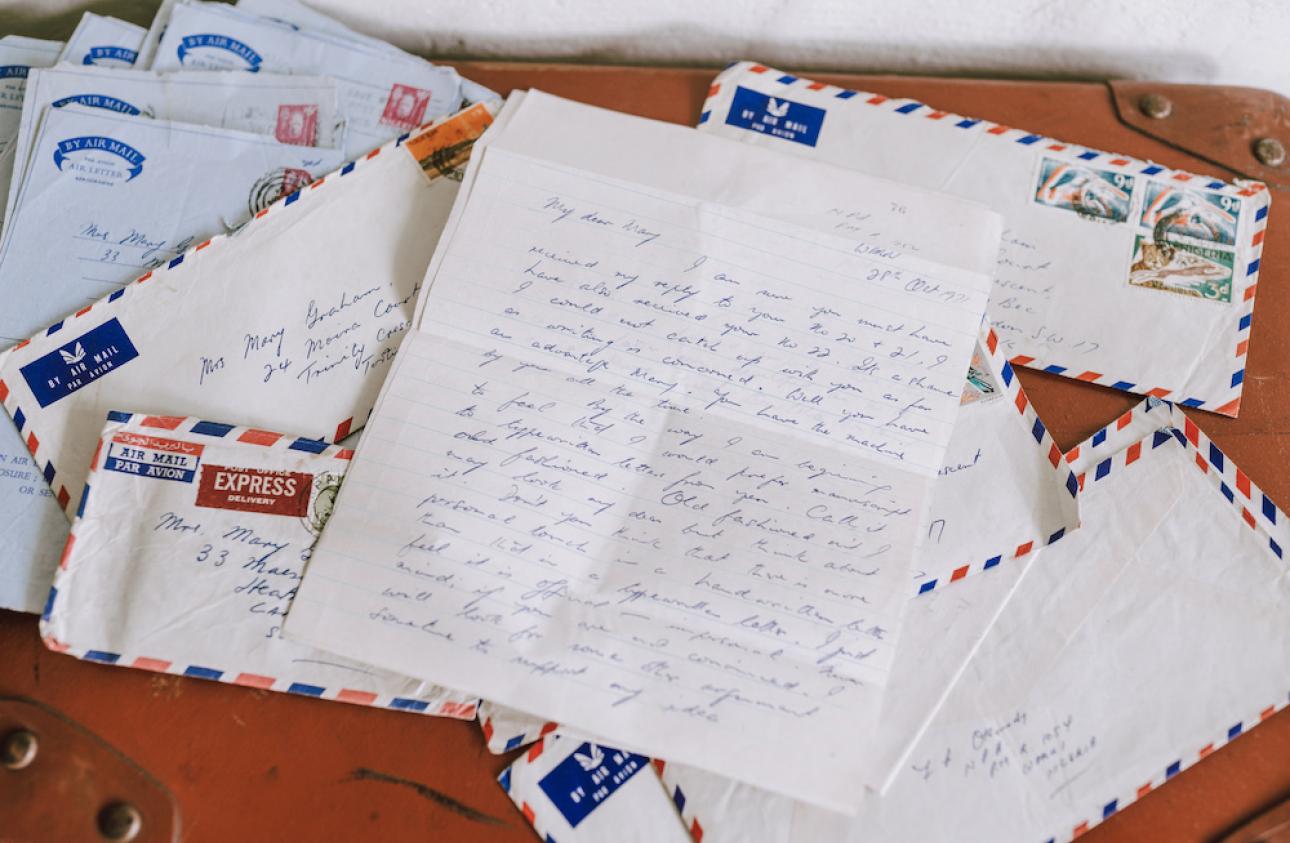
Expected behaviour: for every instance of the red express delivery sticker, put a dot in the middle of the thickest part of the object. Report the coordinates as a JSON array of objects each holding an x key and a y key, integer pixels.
[{"x": 255, "y": 490}]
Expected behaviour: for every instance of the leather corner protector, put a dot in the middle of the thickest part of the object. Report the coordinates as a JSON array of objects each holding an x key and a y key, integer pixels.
[
  {"x": 1218, "y": 123},
  {"x": 72, "y": 775}
]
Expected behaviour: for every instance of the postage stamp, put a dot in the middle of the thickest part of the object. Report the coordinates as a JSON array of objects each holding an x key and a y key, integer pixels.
[
  {"x": 1088, "y": 191},
  {"x": 406, "y": 107},
  {"x": 1171, "y": 211},
  {"x": 1182, "y": 267},
  {"x": 980, "y": 385},
  {"x": 442, "y": 150},
  {"x": 321, "y": 501},
  {"x": 154, "y": 457},
  {"x": 297, "y": 125},
  {"x": 275, "y": 184}
]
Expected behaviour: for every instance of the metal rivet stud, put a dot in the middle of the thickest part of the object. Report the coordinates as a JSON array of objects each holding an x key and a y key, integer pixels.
[
  {"x": 18, "y": 749},
  {"x": 120, "y": 822},
  {"x": 1155, "y": 106},
  {"x": 1270, "y": 152}
]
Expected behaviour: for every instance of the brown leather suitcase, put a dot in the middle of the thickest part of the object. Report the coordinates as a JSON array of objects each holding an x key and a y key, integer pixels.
[{"x": 201, "y": 761}]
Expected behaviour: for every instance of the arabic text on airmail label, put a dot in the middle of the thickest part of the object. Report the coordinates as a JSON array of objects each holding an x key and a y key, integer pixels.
[{"x": 153, "y": 457}]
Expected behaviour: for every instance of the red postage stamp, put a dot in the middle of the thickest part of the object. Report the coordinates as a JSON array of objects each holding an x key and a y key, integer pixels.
[
  {"x": 297, "y": 125},
  {"x": 406, "y": 107},
  {"x": 275, "y": 184}
]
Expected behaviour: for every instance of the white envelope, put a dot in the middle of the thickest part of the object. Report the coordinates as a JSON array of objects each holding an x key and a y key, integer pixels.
[
  {"x": 103, "y": 41},
  {"x": 17, "y": 56},
  {"x": 1083, "y": 696},
  {"x": 1104, "y": 255},
  {"x": 90, "y": 221},
  {"x": 148, "y": 49},
  {"x": 570, "y": 789},
  {"x": 296, "y": 110},
  {"x": 297, "y": 13},
  {"x": 110, "y": 196},
  {"x": 1004, "y": 490},
  {"x": 292, "y": 332},
  {"x": 383, "y": 94},
  {"x": 186, "y": 557}
]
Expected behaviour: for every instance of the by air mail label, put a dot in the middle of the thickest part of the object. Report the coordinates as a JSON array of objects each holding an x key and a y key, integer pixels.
[
  {"x": 589, "y": 776},
  {"x": 775, "y": 116},
  {"x": 79, "y": 362}
]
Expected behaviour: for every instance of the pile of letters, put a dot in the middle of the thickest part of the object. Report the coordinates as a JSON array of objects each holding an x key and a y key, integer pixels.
[{"x": 691, "y": 459}]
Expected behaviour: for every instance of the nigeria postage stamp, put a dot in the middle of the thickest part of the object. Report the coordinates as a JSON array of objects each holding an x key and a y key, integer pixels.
[
  {"x": 1183, "y": 267},
  {"x": 1088, "y": 191},
  {"x": 297, "y": 125},
  {"x": 1171, "y": 211},
  {"x": 406, "y": 107}
]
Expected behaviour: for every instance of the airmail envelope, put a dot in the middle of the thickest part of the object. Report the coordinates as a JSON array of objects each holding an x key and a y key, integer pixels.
[
  {"x": 580, "y": 791},
  {"x": 1004, "y": 492},
  {"x": 1130, "y": 650},
  {"x": 103, "y": 42},
  {"x": 297, "y": 13},
  {"x": 1103, "y": 255},
  {"x": 111, "y": 195},
  {"x": 17, "y": 56},
  {"x": 186, "y": 556},
  {"x": 383, "y": 94},
  {"x": 290, "y": 323},
  {"x": 296, "y": 110}
]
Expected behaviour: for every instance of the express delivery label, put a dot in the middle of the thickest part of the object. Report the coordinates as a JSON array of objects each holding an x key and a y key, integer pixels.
[{"x": 255, "y": 490}]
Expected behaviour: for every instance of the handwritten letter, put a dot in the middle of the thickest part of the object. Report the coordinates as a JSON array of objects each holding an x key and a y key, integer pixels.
[{"x": 653, "y": 468}]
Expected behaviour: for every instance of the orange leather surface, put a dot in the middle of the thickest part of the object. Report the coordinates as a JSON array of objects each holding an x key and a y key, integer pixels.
[{"x": 253, "y": 765}]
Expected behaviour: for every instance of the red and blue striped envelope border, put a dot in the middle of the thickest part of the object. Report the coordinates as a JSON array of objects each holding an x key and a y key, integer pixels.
[
  {"x": 1047, "y": 448},
  {"x": 505, "y": 730},
  {"x": 1253, "y": 507},
  {"x": 119, "y": 298},
  {"x": 1246, "y": 278},
  {"x": 199, "y": 431}
]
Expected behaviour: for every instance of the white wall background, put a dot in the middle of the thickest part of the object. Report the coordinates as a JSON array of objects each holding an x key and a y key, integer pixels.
[{"x": 1240, "y": 42}]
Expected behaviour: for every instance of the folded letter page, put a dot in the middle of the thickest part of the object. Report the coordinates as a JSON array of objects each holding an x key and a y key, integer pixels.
[{"x": 661, "y": 464}]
